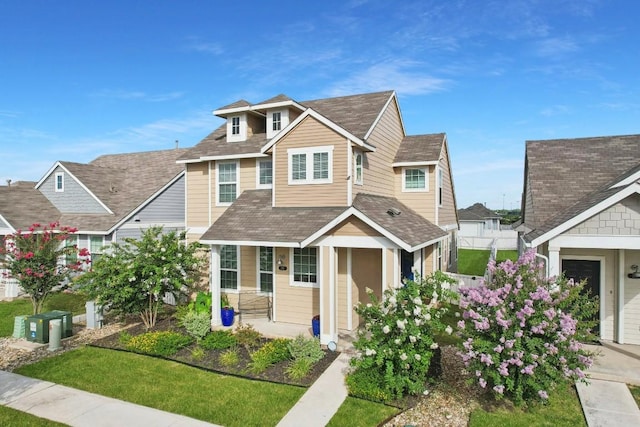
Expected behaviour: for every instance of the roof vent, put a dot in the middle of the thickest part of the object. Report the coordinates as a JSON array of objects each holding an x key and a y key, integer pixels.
[
  {"x": 393, "y": 212},
  {"x": 8, "y": 183},
  {"x": 112, "y": 189}
]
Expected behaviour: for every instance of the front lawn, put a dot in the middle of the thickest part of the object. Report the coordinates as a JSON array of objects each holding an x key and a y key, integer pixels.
[
  {"x": 15, "y": 418},
  {"x": 22, "y": 306},
  {"x": 473, "y": 262},
  {"x": 635, "y": 392},
  {"x": 356, "y": 412}
]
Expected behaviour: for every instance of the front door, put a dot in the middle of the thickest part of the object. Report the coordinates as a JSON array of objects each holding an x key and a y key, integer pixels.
[
  {"x": 406, "y": 265},
  {"x": 581, "y": 269}
]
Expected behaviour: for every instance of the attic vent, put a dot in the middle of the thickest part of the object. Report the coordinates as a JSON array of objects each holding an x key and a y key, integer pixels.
[{"x": 393, "y": 212}]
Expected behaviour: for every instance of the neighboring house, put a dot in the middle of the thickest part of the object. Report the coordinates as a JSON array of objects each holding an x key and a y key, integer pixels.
[
  {"x": 581, "y": 209},
  {"x": 480, "y": 228},
  {"x": 312, "y": 202},
  {"x": 108, "y": 199}
]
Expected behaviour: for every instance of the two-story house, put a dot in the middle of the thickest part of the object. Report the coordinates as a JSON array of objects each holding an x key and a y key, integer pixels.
[
  {"x": 313, "y": 202},
  {"x": 108, "y": 199}
]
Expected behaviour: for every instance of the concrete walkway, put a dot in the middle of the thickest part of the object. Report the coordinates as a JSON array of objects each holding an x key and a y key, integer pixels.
[{"x": 80, "y": 408}]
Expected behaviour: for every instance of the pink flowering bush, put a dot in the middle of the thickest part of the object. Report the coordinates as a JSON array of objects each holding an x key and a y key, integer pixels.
[
  {"x": 520, "y": 331},
  {"x": 396, "y": 344},
  {"x": 34, "y": 257}
]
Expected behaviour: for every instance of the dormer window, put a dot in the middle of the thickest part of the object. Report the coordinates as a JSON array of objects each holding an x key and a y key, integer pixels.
[
  {"x": 276, "y": 121},
  {"x": 237, "y": 128}
]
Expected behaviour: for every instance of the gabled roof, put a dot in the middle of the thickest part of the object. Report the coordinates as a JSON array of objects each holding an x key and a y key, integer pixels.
[
  {"x": 568, "y": 177},
  {"x": 21, "y": 205},
  {"x": 419, "y": 149},
  {"x": 356, "y": 114},
  {"x": 476, "y": 212},
  {"x": 251, "y": 220}
]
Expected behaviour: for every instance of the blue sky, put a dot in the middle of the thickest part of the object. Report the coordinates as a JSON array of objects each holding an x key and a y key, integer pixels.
[{"x": 83, "y": 78}]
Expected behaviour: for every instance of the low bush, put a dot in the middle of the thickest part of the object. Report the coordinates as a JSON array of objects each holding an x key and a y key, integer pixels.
[
  {"x": 230, "y": 358},
  {"x": 197, "y": 353},
  {"x": 299, "y": 369},
  {"x": 124, "y": 338},
  {"x": 159, "y": 343},
  {"x": 218, "y": 340},
  {"x": 305, "y": 348},
  {"x": 197, "y": 324},
  {"x": 368, "y": 383},
  {"x": 248, "y": 337},
  {"x": 270, "y": 353}
]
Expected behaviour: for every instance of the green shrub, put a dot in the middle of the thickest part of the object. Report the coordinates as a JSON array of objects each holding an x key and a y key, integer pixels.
[
  {"x": 368, "y": 383},
  {"x": 197, "y": 324},
  {"x": 248, "y": 337},
  {"x": 218, "y": 340},
  {"x": 270, "y": 353},
  {"x": 230, "y": 358},
  {"x": 306, "y": 348},
  {"x": 159, "y": 343},
  {"x": 197, "y": 353},
  {"x": 124, "y": 338},
  {"x": 299, "y": 368},
  {"x": 202, "y": 303}
]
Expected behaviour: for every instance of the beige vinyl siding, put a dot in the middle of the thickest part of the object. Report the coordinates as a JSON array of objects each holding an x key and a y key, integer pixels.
[
  {"x": 197, "y": 198},
  {"x": 247, "y": 175},
  {"x": 427, "y": 261},
  {"x": 248, "y": 268},
  {"x": 255, "y": 124},
  {"x": 423, "y": 202},
  {"x": 311, "y": 133},
  {"x": 294, "y": 304},
  {"x": 447, "y": 212},
  {"x": 366, "y": 272},
  {"x": 389, "y": 259},
  {"x": 631, "y": 302},
  {"x": 353, "y": 227},
  {"x": 378, "y": 175}
]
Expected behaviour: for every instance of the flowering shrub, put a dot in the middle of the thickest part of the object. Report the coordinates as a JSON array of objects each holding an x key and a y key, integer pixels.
[
  {"x": 134, "y": 277},
  {"x": 520, "y": 331},
  {"x": 33, "y": 258},
  {"x": 396, "y": 344}
]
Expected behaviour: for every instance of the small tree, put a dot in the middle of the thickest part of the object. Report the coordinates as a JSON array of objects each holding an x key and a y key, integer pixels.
[
  {"x": 40, "y": 260},
  {"x": 132, "y": 278}
]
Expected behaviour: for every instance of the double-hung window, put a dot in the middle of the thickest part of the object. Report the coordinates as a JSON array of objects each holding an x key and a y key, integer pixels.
[
  {"x": 95, "y": 247},
  {"x": 71, "y": 257},
  {"x": 265, "y": 269},
  {"x": 357, "y": 167},
  {"x": 305, "y": 266},
  {"x": 229, "y": 267},
  {"x": 59, "y": 182},
  {"x": 276, "y": 121},
  {"x": 227, "y": 183},
  {"x": 311, "y": 165},
  {"x": 265, "y": 173},
  {"x": 415, "y": 179},
  {"x": 235, "y": 125}
]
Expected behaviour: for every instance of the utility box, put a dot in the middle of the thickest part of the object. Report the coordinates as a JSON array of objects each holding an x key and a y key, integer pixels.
[
  {"x": 94, "y": 315},
  {"x": 19, "y": 330},
  {"x": 37, "y": 328},
  {"x": 67, "y": 321}
]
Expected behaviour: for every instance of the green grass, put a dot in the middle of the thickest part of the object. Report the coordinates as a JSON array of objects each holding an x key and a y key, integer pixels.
[
  {"x": 563, "y": 409},
  {"x": 12, "y": 418},
  {"x": 169, "y": 386},
  {"x": 635, "y": 392},
  {"x": 361, "y": 413},
  {"x": 22, "y": 306},
  {"x": 473, "y": 262}
]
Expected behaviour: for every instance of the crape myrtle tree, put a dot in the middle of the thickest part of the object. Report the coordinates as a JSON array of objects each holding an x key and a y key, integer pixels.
[
  {"x": 41, "y": 261},
  {"x": 132, "y": 278}
]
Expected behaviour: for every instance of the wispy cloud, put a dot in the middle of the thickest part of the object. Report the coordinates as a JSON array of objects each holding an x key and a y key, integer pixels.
[
  {"x": 555, "y": 46},
  {"x": 198, "y": 45},
  {"x": 9, "y": 114},
  {"x": 137, "y": 95},
  {"x": 403, "y": 77},
  {"x": 555, "y": 110}
]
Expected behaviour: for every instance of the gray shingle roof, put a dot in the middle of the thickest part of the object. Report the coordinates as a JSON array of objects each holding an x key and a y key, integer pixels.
[
  {"x": 22, "y": 205},
  {"x": 355, "y": 113},
  {"x": 568, "y": 176},
  {"x": 252, "y": 218},
  {"x": 239, "y": 103},
  {"x": 476, "y": 212},
  {"x": 278, "y": 98},
  {"x": 420, "y": 148}
]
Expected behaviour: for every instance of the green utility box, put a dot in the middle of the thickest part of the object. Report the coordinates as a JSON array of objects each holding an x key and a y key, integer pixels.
[
  {"x": 19, "y": 327},
  {"x": 67, "y": 321},
  {"x": 37, "y": 328}
]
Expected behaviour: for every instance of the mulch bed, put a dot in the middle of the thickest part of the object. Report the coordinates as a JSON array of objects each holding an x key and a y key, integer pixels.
[{"x": 274, "y": 373}]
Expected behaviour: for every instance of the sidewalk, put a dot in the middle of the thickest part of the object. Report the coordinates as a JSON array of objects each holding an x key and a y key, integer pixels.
[{"x": 80, "y": 408}]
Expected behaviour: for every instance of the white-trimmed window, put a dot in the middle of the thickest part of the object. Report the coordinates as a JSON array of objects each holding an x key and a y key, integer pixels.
[
  {"x": 229, "y": 267},
  {"x": 227, "y": 179},
  {"x": 71, "y": 241},
  {"x": 311, "y": 165},
  {"x": 96, "y": 243},
  {"x": 440, "y": 187},
  {"x": 237, "y": 128},
  {"x": 439, "y": 256},
  {"x": 265, "y": 173},
  {"x": 305, "y": 266},
  {"x": 415, "y": 179},
  {"x": 357, "y": 167},
  {"x": 59, "y": 182},
  {"x": 265, "y": 269},
  {"x": 276, "y": 121},
  {"x": 235, "y": 125}
]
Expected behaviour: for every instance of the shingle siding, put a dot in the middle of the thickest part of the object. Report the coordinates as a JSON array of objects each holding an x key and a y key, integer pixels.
[{"x": 622, "y": 219}]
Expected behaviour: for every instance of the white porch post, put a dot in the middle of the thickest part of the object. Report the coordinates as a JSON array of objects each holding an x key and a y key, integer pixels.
[
  {"x": 620, "y": 297},
  {"x": 349, "y": 291},
  {"x": 215, "y": 285},
  {"x": 396, "y": 268},
  {"x": 554, "y": 261},
  {"x": 333, "y": 268}
]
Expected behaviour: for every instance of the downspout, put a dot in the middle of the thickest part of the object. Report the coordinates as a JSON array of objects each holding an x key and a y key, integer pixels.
[{"x": 545, "y": 258}]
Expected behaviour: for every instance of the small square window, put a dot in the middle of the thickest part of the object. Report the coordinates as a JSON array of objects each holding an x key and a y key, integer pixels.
[{"x": 415, "y": 180}]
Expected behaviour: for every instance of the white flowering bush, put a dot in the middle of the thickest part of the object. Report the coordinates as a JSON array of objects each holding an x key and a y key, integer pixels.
[
  {"x": 520, "y": 331},
  {"x": 396, "y": 342},
  {"x": 132, "y": 278}
]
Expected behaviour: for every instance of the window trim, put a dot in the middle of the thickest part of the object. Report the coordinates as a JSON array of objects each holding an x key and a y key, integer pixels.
[
  {"x": 259, "y": 270},
  {"x": 242, "y": 128},
  {"x": 292, "y": 281},
  {"x": 356, "y": 154},
  {"x": 218, "y": 183},
  {"x": 258, "y": 170},
  {"x": 236, "y": 270},
  {"x": 309, "y": 152},
  {"x": 60, "y": 188},
  {"x": 274, "y": 121},
  {"x": 425, "y": 170},
  {"x": 102, "y": 245}
]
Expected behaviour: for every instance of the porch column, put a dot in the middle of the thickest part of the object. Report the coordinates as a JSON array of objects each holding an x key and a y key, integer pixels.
[
  {"x": 554, "y": 261},
  {"x": 333, "y": 309},
  {"x": 620, "y": 297},
  {"x": 349, "y": 291},
  {"x": 214, "y": 281}
]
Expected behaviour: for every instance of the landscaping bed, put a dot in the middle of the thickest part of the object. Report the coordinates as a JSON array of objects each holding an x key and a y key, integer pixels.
[{"x": 210, "y": 359}]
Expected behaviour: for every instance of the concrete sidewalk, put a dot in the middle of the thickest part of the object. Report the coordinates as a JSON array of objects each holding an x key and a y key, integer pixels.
[
  {"x": 608, "y": 404},
  {"x": 80, "y": 408}
]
